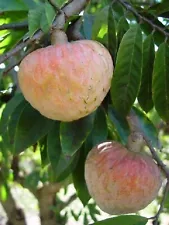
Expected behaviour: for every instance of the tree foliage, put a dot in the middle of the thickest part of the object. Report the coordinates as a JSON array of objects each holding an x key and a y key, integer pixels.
[{"x": 136, "y": 34}]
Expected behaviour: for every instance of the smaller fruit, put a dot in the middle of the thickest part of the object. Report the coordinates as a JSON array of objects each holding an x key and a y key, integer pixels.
[{"x": 119, "y": 180}]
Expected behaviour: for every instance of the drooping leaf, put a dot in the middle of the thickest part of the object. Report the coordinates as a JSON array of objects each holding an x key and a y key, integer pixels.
[
  {"x": 145, "y": 93},
  {"x": 112, "y": 39},
  {"x": 119, "y": 123},
  {"x": 43, "y": 151},
  {"x": 126, "y": 219},
  {"x": 79, "y": 179},
  {"x": 30, "y": 128},
  {"x": 161, "y": 81},
  {"x": 73, "y": 134},
  {"x": 127, "y": 74},
  {"x": 142, "y": 123},
  {"x": 54, "y": 146}
]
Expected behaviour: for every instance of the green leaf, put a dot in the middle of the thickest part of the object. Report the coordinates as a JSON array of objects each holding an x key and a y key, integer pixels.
[
  {"x": 54, "y": 146},
  {"x": 145, "y": 93},
  {"x": 7, "y": 112},
  {"x": 34, "y": 18},
  {"x": 144, "y": 125},
  {"x": 12, "y": 5},
  {"x": 88, "y": 21},
  {"x": 31, "y": 127},
  {"x": 126, "y": 219},
  {"x": 159, "y": 8},
  {"x": 119, "y": 123},
  {"x": 65, "y": 166},
  {"x": 161, "y": 82},
  {"x": 43, "y": 152},
  {"x": 14, "y": 119},
  {"x": 50, "y": 13},
  {"x": 127, "y": 74},
  {"x": 100, "y": 26},
  {"x": 122, "y": 27},
  {"x": 73, "y": 134},
  {"x": 99, "y": 132},
  {"x": 79, "y": 179},
  {"x": 44, "y": 25},
  {"x": 112, "y": 39}
]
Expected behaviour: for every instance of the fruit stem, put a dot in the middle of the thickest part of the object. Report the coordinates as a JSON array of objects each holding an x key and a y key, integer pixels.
[
  {"x": 135, "y": 141},
  {"x": 58, "y": 37}
]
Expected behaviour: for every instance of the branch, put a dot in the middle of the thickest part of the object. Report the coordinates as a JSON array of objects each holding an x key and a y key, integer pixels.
[
  {"x": 14, "y": 26},
  {"x": 74, "y": 7},
  {"x": 10, "y": 67},
  {"x": 156, "y": 217},
  {"x": 154, "y": 26}
]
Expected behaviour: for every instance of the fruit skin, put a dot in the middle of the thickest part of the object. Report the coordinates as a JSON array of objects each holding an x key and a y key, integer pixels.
[
  {"x": 67, "y": 81},
  {"x": 121, "y": 181}
]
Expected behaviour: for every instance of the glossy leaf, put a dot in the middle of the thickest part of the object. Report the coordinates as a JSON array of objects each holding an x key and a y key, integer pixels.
[
  {"x": 54, "y": 146},
  {"x": 126, "y": 219},
  {"x": 119, "y": 123},
  {"x": 145, "y": 93},
  {"x": 88, "y": 20},
  {"x": 30, "y": 128},
  {"x": 144, "y": 125},
  {"x": 79, "y": 179},
  {"x": 127, "y": 74},
  {"x": 73, "y": 134},
  {"x": 161, "y": 82}
]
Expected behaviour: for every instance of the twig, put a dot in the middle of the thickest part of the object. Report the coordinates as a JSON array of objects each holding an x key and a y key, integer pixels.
[
  {"x": 154, "y": 26},
  {"x": 74, "y": 7},
  {"x": 156, "y": 157},
  {"x": 14, "y": 50},
  {"x": 6, "y": 71},
  {"x": 14, "y": 26},
  {"x": 156, "y": 217},
  {"x": 73, "y": 31}
]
